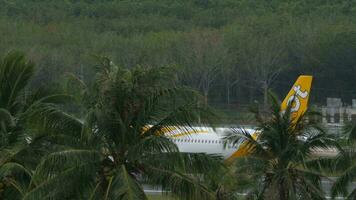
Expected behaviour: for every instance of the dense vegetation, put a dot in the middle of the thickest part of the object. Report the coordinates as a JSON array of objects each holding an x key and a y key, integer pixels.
[
  {"x": 113, "y": 141},
  {"x": 75, "y": 126},
  {"x": 280, "y": 161},
  {"x": 115, "y": 145},
  {"x": 231, "y": 50}
]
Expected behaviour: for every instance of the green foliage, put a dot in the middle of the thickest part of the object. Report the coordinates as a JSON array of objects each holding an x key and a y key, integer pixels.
[
  {"x": 20, "y": 148},
  {"x": 281, "y": 156},
  {"x": 345, "y": 165},
  {"x": 314, "y": 37},
  {"x": 120, "y": 142},
  {"x": 231, "y": 50}
]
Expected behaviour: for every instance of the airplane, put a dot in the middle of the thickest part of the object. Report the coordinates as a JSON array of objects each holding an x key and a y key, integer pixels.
[{"x": 211, "y": 140}]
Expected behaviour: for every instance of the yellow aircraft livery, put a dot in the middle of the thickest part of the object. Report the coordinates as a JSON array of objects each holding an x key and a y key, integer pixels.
[
  {"x": 210, "y": 141},
  {"x": 298, "y": 96}
]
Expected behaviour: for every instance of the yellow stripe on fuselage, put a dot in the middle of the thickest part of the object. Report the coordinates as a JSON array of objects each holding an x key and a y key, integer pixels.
[
  {"x": 163, "y": 130},
  {"x": 187, "y": 133}
]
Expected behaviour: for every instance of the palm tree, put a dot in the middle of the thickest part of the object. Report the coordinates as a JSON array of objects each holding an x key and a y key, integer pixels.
[
  {"x": 20, "y": 145},
  {"x": 344, "y": 165},
  {"x": 281, "y": 154},
  {"x": 122, "y": 143}
]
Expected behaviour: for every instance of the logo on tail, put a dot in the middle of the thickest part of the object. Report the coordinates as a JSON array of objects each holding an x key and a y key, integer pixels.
[{"x": 298, "y": 96}]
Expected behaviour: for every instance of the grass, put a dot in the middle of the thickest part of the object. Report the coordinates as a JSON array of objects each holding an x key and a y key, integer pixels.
[
  {"x": 165, "y": 197},
  {"x": 160, "y": 197}
]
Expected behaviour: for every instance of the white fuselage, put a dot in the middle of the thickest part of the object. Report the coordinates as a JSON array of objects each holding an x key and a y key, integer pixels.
[
  {"x": 208, "y": 140},
  {"x": 204, "y": 140}
]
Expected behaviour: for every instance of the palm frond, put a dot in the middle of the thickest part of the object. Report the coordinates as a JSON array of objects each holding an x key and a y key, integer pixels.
[
  {"x": 317, "y": 140},
  {"x": 49, "y": 118},
  {"x": 15, "y": 175},
  {"x": 352, "y": 195},
  {"x": 6, "y": 118},
  {"x": 58, "y": 161},
  {"x": 62, "y": 184},
  {"x": 122, "y": 186},
  {"x": 11, "y": 168},
  {"x": 15, "y": 73},
  {"x": 16, "y": 143},
  {"x": 188, "y": 163},
  {"x": 350, "y": 131},
  {"x": 154, "y": 144},
  {"x": 159, "y": 103},
  {"x": 179, "y": 184},
  {"x": 240, "y": 137},
  {"x": 321, "y": 164},
  {"x": 341, "y": 184},
  {"x": 182, "y": 117}
]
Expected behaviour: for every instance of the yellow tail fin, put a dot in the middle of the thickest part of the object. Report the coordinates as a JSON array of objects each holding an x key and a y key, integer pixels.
[{"x": 298, "y": 96}]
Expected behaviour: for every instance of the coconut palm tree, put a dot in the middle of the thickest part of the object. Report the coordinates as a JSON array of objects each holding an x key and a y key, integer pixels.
[
  {"x": 20, "y": 146},
  {"x": 122, "y": 143},
  {"x": 282, "y": 152},
  {"x": 345, "y": 165}
]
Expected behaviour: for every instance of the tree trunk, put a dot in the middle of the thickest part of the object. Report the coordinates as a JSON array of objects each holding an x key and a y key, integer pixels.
[
  {"x": 199, "y": 118},
  {"x": 251, "y": 94},
  {"x": 2, "y": 190},
  {"x": 265, "y": 95},
  {"x": 228, "y": 96},
  {"x": 206, "y": 93},
  {"x": 282, "y": 192}
]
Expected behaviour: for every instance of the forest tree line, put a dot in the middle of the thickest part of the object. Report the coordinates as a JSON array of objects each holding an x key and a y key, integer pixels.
[
  {"x": 75, "y": 124},
  {"x": 232, "y": 51},
  {"x": 126, "y": 131}
]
